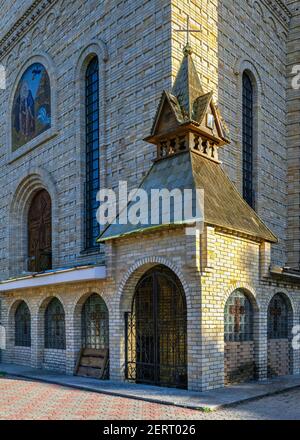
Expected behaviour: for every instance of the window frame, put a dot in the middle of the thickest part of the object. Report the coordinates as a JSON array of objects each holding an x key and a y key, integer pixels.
[
  {"x": 57, "y": 341},
  {"x": 246, "y": 332},
  {"x": 92, "y": 152},
  {"x": 248, "y": 141},
  {"x": 22, "y": 338}
]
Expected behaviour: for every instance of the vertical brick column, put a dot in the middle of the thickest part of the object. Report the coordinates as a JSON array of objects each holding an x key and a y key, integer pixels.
[
  {"x": 36, "y": 350},
  {"x": 117, "y": 345},
  {"x": 71, "y": 352},
  {"x": 261, "y": 345},
  {"x": 295, "y": 353}
]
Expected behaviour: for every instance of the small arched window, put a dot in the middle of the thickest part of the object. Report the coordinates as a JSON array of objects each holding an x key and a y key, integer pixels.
[
  {"x": 55, "y": 333},
  {"x": 94, "y": 323},
  {"x": 278, "y": 317},
  {"x": 248, "y": 136},
  {"x": 92, "y": 152},
  {"x": 22, "y": 326},
  {"x": 238, "y": 319}
]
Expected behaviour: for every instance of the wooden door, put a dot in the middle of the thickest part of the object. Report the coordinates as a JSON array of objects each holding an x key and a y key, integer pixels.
[{"x": 40, "y": 233}]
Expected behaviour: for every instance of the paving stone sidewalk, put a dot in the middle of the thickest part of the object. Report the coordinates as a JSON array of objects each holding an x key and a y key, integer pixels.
[{"x": 211, "y": 400}]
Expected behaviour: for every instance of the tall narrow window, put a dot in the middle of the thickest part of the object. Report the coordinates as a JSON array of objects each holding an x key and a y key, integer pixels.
[
  {"x": 248, "y": 189},
  {"x": 92, "y": 151}
]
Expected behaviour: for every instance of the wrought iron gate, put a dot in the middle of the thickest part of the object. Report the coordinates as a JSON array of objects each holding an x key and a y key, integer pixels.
[{"x": 156, "y": 331}]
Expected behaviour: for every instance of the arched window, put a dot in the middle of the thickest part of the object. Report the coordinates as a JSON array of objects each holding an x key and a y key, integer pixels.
[
  {"x": 55, "y": 333},
  {"x": 40, "y": 233},
  {"x": 22, "y": 326},
  {"x": 31, "y": 114},
  {"x": 94, "y": 323},
  {"x": 238, "y": 318},
  {"x": 92, "y": 152},
  {"x": 248, "y": 144},
  {"x": 278, "y": 317}
]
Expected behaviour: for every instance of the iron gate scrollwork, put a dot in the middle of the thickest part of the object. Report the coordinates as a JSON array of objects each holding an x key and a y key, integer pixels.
[{"x": 156, "y": 331}]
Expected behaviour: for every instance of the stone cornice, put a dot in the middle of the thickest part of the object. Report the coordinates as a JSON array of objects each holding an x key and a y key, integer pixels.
[
  {"x": 21, "y": 26},
  {"x": 40, "y": 7},
  {"x": 280, "y": 10}
]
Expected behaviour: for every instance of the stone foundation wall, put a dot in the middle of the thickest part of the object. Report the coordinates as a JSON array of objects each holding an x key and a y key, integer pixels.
[
  {"x": 239, "y": 362},
  {"x": 55, "y": 360},
  {"x": 21, "y": 356},
  {"x": 278, "y": 357}
]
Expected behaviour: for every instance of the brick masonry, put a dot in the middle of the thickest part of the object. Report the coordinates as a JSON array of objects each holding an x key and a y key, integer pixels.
[
  {"x": 239, "y": 362},
  {"x": 279, "y": 357},
  {"x": 139, "y": 53}
]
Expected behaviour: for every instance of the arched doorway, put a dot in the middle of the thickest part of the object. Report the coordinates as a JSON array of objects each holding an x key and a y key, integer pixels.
[
  {"x": 156, "y": 339},
  {"x": 40, "y": 233},
  {"x": 280, "y": 318},
  {"x": 239, "y": 344}
]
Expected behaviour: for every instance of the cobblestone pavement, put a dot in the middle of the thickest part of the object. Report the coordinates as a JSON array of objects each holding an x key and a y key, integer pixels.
[{"x": 25, "y": 399}]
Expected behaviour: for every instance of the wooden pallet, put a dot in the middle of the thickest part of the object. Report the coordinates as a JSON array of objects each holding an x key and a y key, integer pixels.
[{"x": 92, "y": 363}]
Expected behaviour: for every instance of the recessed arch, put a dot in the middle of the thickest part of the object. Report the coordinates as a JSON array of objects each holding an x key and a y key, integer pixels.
[
  {"x": 135, "y": 272},
  {"x": 44, "y": 60},
  {"x": 11, "y": 317},
  {"x": 54, "y": 325},
  {"x": 91, "y": 321},
  {"x": 241, "y": 336},
  {"x": 156, "y": 341},
  {"x": 39, "y": 227},
  {"x": 95, "y": 48},
  {"x": 259, "y": 10},
  {"x": 245, "y": 67},
  {"x": 249, "y": 291},
  {"x": 22, "y": 325},
  {"x": 24, "y": 191},
  {"x": 280, "y": 324}
]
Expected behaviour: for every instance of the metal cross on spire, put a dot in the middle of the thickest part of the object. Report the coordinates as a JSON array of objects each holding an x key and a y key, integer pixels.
[{"x": 188, "y": 31}]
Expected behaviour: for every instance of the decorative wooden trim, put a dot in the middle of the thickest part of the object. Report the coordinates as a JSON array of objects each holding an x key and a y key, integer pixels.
[{"x": 23, "y": 24}]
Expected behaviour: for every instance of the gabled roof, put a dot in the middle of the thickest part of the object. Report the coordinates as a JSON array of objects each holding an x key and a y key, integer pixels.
[
  {"x": 223, "y": 205},
  {"x": 167, "y": 99},
  {"x": 201, "y": 106}
]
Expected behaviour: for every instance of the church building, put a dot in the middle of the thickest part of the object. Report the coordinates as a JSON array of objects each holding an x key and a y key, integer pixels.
[{"x": 165, "y": 95}]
